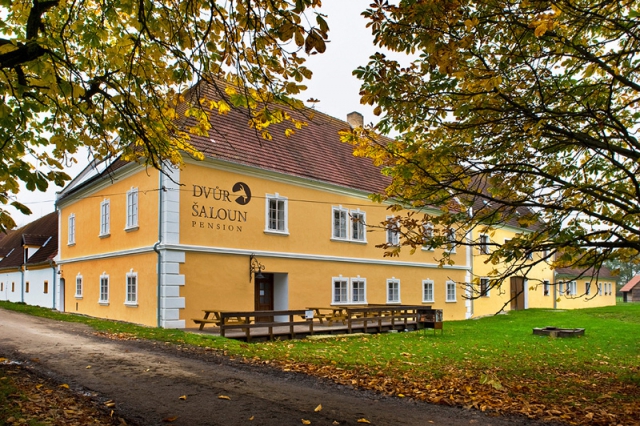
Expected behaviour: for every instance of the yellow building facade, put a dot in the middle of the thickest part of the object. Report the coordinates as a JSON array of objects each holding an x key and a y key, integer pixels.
[{"x": 158, "y": 248}]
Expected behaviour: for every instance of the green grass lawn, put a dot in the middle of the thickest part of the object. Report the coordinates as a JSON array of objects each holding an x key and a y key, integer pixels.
[{"x": 493, "y": 363}]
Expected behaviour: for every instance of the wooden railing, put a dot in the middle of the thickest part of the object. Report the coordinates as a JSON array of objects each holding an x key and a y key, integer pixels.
[{"x": 246, "y": 321}]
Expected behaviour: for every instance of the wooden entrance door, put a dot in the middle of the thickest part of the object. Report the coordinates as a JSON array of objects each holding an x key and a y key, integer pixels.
[
  {"x": 517, "y": 293},
  {"x": 264, "y": 296}
]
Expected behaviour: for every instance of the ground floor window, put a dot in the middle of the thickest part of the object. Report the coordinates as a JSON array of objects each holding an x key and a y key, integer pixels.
[
  {"x": 427, "y": 291},
  {"x": 46, "y": 287},
  {"x": 546, "y": 287},
  {"x": 104, "y": 289},
  {"x": 393, "y": 291},
  {"x": 132, "y": 288},
  {"x": 484, "y": 287},
  {"x": 451, "y": 291},
  {"x": 26, "y": 287},
  {"x": 347, "y": 290},
  {"x": 572, "y": 289},
  {"x": 587, "y": 288},
  {"x": 79, "y": 286}
]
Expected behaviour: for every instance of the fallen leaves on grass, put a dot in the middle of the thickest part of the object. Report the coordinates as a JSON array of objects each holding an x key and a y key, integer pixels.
[{"x": 488, "y": 391}]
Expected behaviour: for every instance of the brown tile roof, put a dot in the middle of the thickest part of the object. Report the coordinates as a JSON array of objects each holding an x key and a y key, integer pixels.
[
  {"x": 313, "y": 152},
  {"x": 631, "y": 284},
  {"x": 42, "y": 232}
]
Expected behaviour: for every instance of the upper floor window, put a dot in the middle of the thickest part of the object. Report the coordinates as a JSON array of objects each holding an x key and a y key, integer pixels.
[
  {"x": 393, "y": 231},
  {"x": 79, "y": 286},
  {"x": 339, "y": 224},
  {"x": 347, "y": 225},
  {"x": 132, "y": 288},
  {"x": 485, "y": 286},
  {"x": 546, "y": 287},
  {"x": 347, "y": 290},
  {"x": 276, "y": 214},
  {"x": 561, "y": 287},
  {"x": 71, "y": 229},
  {"x": 132, "y": 208},
  {"x": 393, "y": 291},
  {"x": 451, "y": 240},
  {"x": 427, "y": 291},
  {"x": 104, "y": 289},
  {"x": 484, "y": 244},
  {"x": 358, "y": 225},
  {"x": 451, "y": 291},
  {"x": 427, "y": 235},
  {"x": 105, "y": 218}
]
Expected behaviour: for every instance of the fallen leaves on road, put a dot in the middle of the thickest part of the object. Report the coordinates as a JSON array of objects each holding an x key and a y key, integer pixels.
[
  {"x": 223, "y": 397},
  {"x": 318, "y": 408},
  {"x": 363, "y": 420},
  {"x": 183, "y": 397},
  {"x": 170, "y": 419},
  {"x": 306, "y": 422},
  {"x": 36, "y": 400}
]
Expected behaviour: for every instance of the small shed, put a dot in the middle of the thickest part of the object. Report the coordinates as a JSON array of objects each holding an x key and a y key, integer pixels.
[{"x": 631, "y": 290}]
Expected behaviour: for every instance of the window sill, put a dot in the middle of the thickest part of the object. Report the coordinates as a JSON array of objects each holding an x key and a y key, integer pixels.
[
  {"x": 71, "y": 244},
  {"x": 103, "y": 303},
  {"x": 428, "y": 301},
  {"x": 348, "y": 303},
  {"x": 104, "y": 235},
  {"x": 397, "y": 302},
  {"x": 428, "y": 249},
  {"x": 78, "y": 297},
  {"x": 344, "y": 240},
  {"x": 274, "y": 232},
  {"x": 450, "y": 301},
  {"x": 131, "y": 304},
  {"x": 131, "y": 228}
]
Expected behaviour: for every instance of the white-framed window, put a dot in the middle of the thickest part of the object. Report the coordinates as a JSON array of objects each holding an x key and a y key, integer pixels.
[
  {"x": 345, "y": 290},
  {"x": 104, "y": 289},
  {"x": 358, "y": 290},
  {"x": 485, "y": 286},
  {"x": 451, "y": 291},
  {"x": 483, "y": 244},
  {"x": 572, "y": 289},
  {"x": 587, "y": 287},
  {"x": 427, "y": 291},
  {"x": 132, "y": 288},
  {"x": 393, "y": 231},
  {"x": 71, "y": 229},
  {"x": 451, "y": 240},
  {"x": 105, "y": 217},
  {"x": 79, "y": 286},
  {"x": 132, "y": 208},
  {"x": 393, "y": 290},
  {"x": 608, "y": 288},
  {"x": 347, "y": 225},
  {"x": 427, "y": 234},
  {"x": 276, "y": 214},
  {"x": 599, "y": 289},
  {"x": 546, "y": 288},
  {"x": 340, "y": 290},
  {"x": 358, "y": 222},
  {"x": 561, "y": 287},
  {"x": 339, "y": 224}
]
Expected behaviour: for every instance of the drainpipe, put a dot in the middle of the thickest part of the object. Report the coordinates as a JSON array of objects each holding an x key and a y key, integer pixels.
[
  {"x": 157, "y": 250},
  {"x": 470, "y": 264}
]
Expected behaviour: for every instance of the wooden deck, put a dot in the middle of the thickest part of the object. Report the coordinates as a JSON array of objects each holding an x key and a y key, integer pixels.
[{"x": 283, "y": 325}]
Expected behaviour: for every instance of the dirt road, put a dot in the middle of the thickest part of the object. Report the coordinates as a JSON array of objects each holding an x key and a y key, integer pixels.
[{"x": 147, "y": 379}]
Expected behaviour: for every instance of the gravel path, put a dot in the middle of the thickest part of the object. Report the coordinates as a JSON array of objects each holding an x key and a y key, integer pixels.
[{"x": 147, "y": 379}]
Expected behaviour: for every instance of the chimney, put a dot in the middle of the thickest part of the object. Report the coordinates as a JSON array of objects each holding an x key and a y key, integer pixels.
[{"x": 355, "y": 119}]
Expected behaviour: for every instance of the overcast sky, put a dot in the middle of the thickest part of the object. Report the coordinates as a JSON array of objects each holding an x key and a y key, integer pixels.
[{"x": 332, "y": 83}]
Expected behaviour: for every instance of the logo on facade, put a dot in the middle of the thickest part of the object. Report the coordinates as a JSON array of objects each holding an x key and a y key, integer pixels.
[{"x": 220, "y": 213}]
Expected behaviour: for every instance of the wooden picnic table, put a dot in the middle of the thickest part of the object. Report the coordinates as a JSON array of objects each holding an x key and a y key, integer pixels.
[
  {"x": 217, "y": 318},
  {"x": 331, "y": 313}
]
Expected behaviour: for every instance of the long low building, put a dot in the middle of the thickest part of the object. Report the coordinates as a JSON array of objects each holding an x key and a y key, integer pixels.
[{"x": 285, "y": 223}]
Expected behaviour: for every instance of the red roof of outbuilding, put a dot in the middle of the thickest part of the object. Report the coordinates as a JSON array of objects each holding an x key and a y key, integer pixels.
[{"x": 631, "y": 284}]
